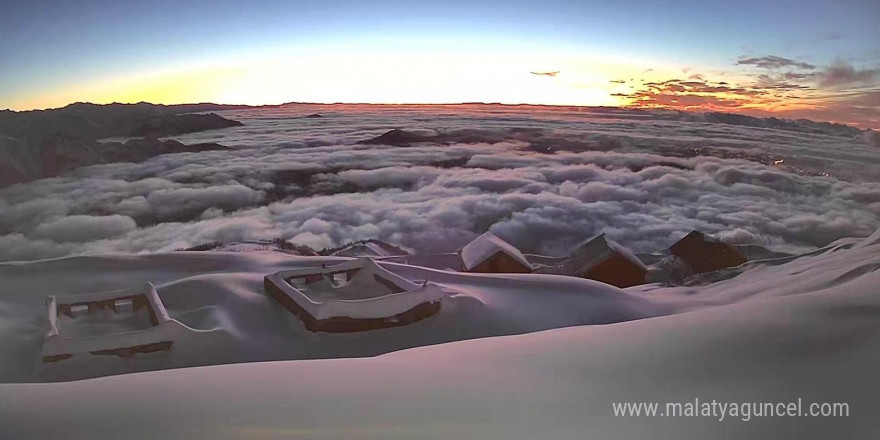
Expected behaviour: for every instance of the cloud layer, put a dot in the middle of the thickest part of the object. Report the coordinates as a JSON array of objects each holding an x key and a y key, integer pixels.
[{"x": 643, "y": 178}]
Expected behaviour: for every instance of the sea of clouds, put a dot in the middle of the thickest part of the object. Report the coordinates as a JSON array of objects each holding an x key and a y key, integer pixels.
[{"x": 543, "y": 179}]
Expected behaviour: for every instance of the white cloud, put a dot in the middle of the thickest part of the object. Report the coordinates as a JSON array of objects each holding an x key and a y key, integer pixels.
[
  {"x": 317, "y": 187},
  {"x": 84, "y": 228}
]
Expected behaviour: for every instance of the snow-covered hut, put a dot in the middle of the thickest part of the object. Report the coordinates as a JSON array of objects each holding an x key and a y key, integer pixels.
[
  {"x": 603, "y": 259},
  {"x": 490, "y": 254}
]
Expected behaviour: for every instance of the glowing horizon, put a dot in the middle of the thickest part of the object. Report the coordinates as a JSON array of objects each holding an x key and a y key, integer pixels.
[{"x": 392, "y": 53}]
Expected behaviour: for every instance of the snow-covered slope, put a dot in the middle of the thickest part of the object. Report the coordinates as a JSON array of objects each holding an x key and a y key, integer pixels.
[
  {"x": 220, "y": 296},
  {"x": 810, "y": 329}
]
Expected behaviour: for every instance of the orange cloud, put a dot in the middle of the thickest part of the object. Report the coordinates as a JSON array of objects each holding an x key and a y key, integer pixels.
[{"x": 837, "y": 93}]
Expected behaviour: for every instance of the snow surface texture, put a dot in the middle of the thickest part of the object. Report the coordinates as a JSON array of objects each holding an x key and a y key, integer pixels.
[
  {"x": 357, "y": 298},
  {"x": 644, "y": 178},
  {"x": 487, "y": 245},
  {"x": 806, "y": 328}
]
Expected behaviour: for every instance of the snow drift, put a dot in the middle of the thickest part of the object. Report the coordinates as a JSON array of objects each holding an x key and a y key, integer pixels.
[{"x": 811, "y": 330}]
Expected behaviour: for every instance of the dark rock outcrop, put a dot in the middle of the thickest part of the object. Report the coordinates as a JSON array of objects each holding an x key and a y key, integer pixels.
[
  {"x": 138, "y": 150},
  {"x": 398, "y": 138},
  {"x": 58, "y": 157},
  {"x": 173, "y": 125},
  {"x": 538, "y": 140}
]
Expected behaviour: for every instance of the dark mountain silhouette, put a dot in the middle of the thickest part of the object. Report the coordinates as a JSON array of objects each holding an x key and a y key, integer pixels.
[
  {"x": 46, "y": 143},
  {"x": 399, "y": 138},
  {"x": 800, "y": 125}
]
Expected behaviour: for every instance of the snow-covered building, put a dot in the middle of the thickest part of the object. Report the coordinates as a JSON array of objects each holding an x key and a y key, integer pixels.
[
  {"x": 706, "y": 254},
  {"x": 490, "y": 254},
  {"x": 353, "y": 296},
  {"x": 120, "y": 323},
  {"x": 603, "y": 259}
]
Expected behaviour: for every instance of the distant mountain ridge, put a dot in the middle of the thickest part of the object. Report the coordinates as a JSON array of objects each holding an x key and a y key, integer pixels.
[
  {"x": 769, "y": 122},
  {"x": 45, "y": 143},
  {"x": 799, "y": 125}
]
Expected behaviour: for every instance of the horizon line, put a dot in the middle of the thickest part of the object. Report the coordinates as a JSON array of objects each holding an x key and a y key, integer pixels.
[{"x": 251, "y": 106}]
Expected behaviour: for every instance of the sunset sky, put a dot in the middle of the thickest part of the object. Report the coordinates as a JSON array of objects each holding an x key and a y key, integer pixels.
[{"x": 813, "y": 59}]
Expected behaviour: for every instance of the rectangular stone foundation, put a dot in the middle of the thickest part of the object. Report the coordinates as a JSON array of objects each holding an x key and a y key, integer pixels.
[
  {"x": 342, "y": 324},
  {"x": 154, "y": 336}
]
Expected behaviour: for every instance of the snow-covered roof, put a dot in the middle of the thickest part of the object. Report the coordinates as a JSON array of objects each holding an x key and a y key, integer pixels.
[
  {"x": 487, "y": 245},
  {"x": 599, "y": 249}
]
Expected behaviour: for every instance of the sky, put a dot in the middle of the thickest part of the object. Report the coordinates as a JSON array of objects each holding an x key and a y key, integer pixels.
[{"x": 816, "y": 59}]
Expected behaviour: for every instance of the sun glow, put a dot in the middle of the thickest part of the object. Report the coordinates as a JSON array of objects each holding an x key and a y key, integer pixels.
[
  {"x": 425, "y": 78},
  {"x": 583, "y": 79}
]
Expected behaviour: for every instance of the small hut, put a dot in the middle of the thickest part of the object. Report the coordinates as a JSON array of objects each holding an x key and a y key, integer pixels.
[
  {"x": 706, "y": 254},
  {"x": 490, "y": 254},
  {"x": 604, "y": 260}
]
